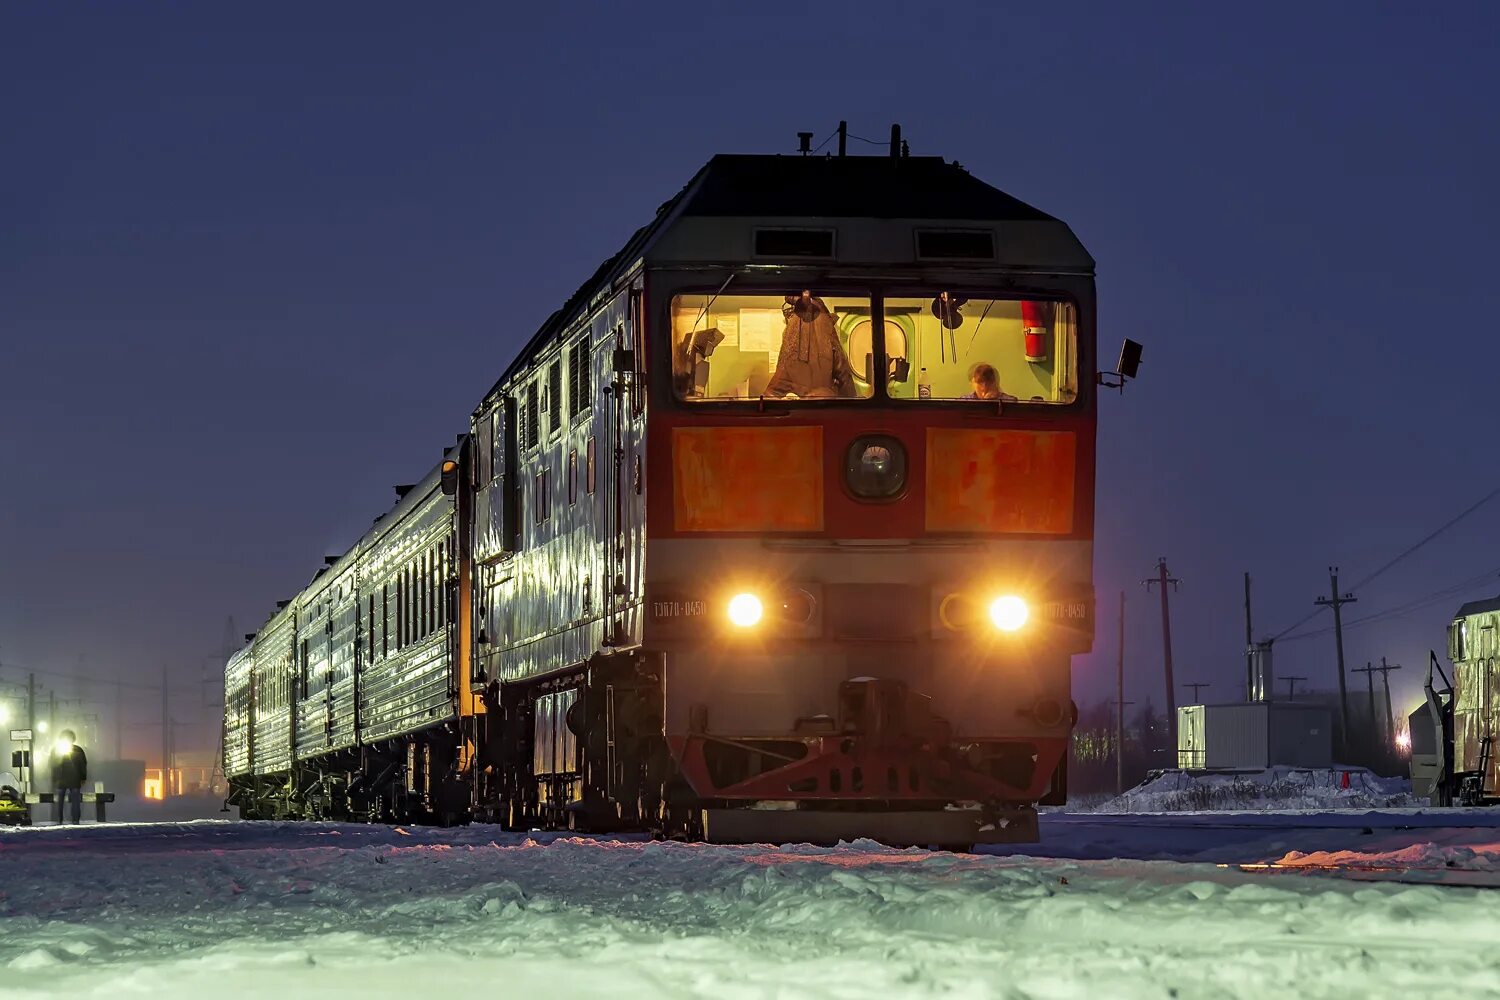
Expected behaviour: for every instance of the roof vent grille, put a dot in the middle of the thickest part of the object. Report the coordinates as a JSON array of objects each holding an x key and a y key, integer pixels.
[
  {"x": 794, "y": 243},
  {"x": 970, "y": 244}
]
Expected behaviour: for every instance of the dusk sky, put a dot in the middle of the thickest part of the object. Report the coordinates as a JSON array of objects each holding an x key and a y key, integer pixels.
[{"x": 257, "y": 264}]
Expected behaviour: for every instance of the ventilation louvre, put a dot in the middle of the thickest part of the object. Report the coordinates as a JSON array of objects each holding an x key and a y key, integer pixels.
[
  {"x": 973, "y": 244},
  {"x": 794, "y": 243}
]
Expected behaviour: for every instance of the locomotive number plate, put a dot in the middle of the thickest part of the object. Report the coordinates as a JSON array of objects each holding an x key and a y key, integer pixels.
[{"x": 675, "y": 610}]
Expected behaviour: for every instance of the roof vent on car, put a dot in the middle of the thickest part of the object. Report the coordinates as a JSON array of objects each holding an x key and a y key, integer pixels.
[
  {"x": 951, "y": 244},
  {"x": 794, "y": 243}
]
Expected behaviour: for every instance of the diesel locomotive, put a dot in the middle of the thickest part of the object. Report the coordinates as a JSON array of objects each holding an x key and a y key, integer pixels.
[{"x": 780, "y": 528}]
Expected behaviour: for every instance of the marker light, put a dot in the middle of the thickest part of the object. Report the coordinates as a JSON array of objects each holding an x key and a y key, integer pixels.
[
  {"x": 1008, "y": 613},
  {"x": 744, "y": 610},
  {"x": 41, "y": 725}
]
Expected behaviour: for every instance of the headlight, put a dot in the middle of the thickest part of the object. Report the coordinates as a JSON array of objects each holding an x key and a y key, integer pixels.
[
  {"x": 1008, "y": 613},
  {"x": 744, "y": 610},
  {"x": 63, "y": 748}
]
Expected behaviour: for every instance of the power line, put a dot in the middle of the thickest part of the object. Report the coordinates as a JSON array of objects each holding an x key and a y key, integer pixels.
[
  {"x": 1471, "y": 509},
  {"x": 79, "y": 677},
  {"x": 1492, "y": 494},
  {"x": 1416, "y": 604}
]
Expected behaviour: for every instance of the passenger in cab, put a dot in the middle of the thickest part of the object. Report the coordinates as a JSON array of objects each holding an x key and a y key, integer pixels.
[
  {"x": 812, "y": 363},
  {"x": 984, "y": 383}
]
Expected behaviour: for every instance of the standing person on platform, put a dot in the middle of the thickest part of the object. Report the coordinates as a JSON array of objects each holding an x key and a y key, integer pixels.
[{"x": 70, "y": 769}]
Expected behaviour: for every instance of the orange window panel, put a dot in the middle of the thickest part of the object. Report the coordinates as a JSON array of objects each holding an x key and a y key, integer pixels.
[
  {"x": 747, "y": 478},
  {"x": 1002, "y": 481}
]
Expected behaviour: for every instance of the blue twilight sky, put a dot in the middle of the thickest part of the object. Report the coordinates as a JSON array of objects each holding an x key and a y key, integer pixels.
[{"x": 258, "y": 261}]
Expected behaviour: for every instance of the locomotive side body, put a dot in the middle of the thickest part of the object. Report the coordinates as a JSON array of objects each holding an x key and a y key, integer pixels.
[{"x": 558, "y": 549}]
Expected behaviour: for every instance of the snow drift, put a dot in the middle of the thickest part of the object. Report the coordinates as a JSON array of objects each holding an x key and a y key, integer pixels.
[{"x": 1279, "y": 788}]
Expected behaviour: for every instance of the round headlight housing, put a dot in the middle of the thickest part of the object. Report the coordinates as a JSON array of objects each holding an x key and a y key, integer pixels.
[
  {"x": 875, "y": 467},
  {"x": 1009, "y": 613},
  {"x": 745, "y": 610}
]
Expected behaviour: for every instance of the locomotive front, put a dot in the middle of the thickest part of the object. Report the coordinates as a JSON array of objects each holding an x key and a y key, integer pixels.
[{"x": 868, "y": 532}]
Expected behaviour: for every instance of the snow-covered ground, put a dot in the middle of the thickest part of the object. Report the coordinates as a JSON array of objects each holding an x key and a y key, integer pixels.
[
  {"x": 216, "y": 909},
  {"x": 1279, "y": 788}
]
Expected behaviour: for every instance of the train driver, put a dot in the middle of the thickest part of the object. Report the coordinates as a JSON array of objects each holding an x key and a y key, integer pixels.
[{"x": 984, "y": 383}]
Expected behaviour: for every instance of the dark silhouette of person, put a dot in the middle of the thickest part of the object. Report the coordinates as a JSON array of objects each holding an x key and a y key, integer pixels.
[{"x": 70, "y": 769}]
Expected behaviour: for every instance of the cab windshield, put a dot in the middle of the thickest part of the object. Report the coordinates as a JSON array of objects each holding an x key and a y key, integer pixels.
[
  {"x": 947, "y": 345},
  {"x": 802, "y": 344},
  {"x": 786, "y": 346}
]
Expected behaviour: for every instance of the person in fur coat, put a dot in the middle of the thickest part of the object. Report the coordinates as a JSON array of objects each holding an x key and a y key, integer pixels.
[{"x": 812, "y": 363}]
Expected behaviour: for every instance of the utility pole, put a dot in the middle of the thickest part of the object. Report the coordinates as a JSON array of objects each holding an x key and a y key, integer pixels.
[
  {"x": 1120, "y": 702},
  {"x": 1385, "y": 678},
  {"x": 1336, "y": 602},
  {"x": 1195, "y": 686},
  {"x": 1162, "y": 579},
  {"x": 166, "y": 739},
  {"x": 31, "y": 726},
  {"x": 119, "y": 720},
  {"x": 1291, "y": 686},
  {"x": 1120, "y": 744},
  {"x": 1369, "y": 672},
  {"x": 1249, "y": 646}
]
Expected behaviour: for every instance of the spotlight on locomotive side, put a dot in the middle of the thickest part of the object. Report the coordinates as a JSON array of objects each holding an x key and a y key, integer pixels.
[
  {"x": 745, "y": 610},
  {"x": 1008, "y": 613}
]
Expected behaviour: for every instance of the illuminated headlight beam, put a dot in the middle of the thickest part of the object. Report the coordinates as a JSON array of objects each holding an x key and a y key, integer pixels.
[
  {"x": 1008, "y": 613},
  {"x": 745, "y": 610}
]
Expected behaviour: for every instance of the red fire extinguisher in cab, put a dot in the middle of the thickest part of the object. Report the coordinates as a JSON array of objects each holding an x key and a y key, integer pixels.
[{"x": 1034, "y": 316}]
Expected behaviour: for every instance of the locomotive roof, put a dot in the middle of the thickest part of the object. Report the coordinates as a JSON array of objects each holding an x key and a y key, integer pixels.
[
  {"x": 873, "y": 187},
  {"x": 1479, "y": 607},
  {"x": 733, "y": 185}
]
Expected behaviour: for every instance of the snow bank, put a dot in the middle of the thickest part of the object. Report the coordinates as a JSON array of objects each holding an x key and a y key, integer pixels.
[
  {"x": 1281, "y": 788},
  {"x": 226, "y": 909},
  {"x": 1424, "y": 857}
]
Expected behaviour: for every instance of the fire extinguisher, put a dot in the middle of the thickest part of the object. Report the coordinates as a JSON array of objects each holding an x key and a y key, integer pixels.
[{"x": 1034, "y": 325}]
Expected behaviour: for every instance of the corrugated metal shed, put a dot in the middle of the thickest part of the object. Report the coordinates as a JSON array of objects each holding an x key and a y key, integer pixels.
[{"x": 1253, "y": 736}]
